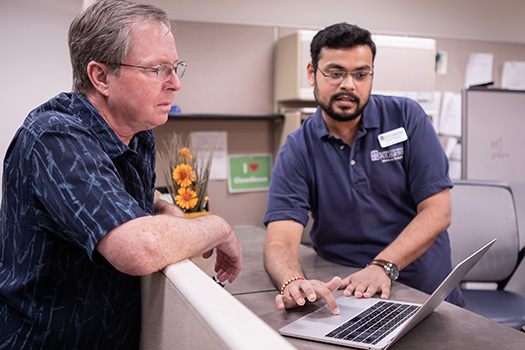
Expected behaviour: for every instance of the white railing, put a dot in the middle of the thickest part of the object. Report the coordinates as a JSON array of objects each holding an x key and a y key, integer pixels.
[{"x": 223, "y": 320}]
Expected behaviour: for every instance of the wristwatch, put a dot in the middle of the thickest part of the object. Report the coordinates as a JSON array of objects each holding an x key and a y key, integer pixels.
[{"x": 390, "y": 268}]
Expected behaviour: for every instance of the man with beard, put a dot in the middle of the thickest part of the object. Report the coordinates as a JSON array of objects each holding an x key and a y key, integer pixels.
[{"x": 374, "y": 176}]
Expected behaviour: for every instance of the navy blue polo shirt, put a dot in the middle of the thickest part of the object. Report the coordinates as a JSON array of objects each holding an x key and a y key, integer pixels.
[
  {"x": 68, "y": 180},
  {"x": 362, "y": 197}
]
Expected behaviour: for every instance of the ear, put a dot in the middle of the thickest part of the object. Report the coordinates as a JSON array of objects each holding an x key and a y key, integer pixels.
[
  {"x": 311, "y": 73},
  {"x": 98, "y": 74}
]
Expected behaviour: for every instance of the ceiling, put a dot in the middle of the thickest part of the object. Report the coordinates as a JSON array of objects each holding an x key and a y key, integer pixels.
[{"x": 486, "y": 20}]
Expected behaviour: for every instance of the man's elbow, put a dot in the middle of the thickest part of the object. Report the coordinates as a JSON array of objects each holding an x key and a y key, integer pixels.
[
  {"x": 135, "y": 263},
  {"x": 135, "y": 258},
  {"x": 142, "y": 267}
]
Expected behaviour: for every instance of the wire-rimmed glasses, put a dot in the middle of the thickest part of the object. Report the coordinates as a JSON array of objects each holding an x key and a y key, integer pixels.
[{"x": 163, "y": 70}]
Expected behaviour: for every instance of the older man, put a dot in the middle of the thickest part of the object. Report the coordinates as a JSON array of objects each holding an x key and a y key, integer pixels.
[{"x": 78, "y": 205}]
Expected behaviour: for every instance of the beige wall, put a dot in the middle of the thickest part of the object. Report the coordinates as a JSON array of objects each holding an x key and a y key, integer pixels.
[
  {"x": 244, "y": 137},
  {"x": 230, "y": 71},
  {"x": 458, "y": 55},
  {"x": 229, "y": 68}
]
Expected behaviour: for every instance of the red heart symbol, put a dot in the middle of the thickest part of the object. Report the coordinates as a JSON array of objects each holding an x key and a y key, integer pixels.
[{"x": 254, "y": 166}]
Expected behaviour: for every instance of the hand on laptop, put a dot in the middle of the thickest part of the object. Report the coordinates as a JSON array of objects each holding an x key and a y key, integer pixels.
[
  {"x": 300, "y": 291},
  {"x": 367, "y": 282}
]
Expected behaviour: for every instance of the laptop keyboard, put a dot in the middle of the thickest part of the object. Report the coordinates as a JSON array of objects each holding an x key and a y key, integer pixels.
[{"x": 373, "y": 324}]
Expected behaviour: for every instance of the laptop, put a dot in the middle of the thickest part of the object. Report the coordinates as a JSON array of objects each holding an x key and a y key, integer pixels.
[{"x": 375, "y": 323}]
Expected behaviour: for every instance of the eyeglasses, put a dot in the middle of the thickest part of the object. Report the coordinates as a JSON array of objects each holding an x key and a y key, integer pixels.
[
  {"x": 337, "y": 76},
  {"x": 163, "y": 70}
]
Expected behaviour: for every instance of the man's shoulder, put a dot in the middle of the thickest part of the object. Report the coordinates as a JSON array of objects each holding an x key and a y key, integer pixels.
[
  {"x": 394, "y": 101},
  {"x": 312, "y": 127},
  {"x": 58, "y": 113},
  {"x": 395, "y": 110},
  {"x": 299, "y": 140}
]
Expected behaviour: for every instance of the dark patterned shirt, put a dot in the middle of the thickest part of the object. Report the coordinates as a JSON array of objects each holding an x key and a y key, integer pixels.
[{"x": 68, "y": 180}]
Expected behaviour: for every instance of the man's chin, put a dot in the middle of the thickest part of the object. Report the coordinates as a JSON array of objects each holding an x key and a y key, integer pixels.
[
  {"x": 158, "y": 120},
  {"x": 342, "y": 116}
]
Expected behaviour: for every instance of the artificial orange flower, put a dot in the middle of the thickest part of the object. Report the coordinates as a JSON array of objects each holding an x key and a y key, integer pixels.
[
  {"x": 183, "y": 175},
  {"x": 186, "y": 199},
  {"x": 186, "y": 155}
]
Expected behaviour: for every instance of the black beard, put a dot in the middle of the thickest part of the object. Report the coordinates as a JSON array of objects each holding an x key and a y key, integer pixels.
[{"x": 337, "y": 116}]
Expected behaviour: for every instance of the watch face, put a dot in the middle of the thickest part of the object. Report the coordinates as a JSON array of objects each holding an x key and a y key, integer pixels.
[{"x": 392, "y": 271}]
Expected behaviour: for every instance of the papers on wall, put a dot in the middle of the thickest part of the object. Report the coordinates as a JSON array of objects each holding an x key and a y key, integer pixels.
[
  {"x": 454, "y": 157},
  {"x": 432, "y": 108},
  {"x": 451, "y": 143},
  {"x": 450, "y": 119},
  {"x": 203, "y": 141},
  {"x": 479, "y": 69},
  {"x": 513, "y": 75}
]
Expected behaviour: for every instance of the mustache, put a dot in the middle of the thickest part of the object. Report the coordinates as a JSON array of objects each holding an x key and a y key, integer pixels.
[{"x": 345, "y": 94}]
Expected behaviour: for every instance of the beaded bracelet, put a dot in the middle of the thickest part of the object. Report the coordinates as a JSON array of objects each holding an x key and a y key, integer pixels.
[{"x": 290, "y": 281}]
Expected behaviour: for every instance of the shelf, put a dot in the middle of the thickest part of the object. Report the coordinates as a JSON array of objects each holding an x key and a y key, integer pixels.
[{"x": 226, "y": 116}]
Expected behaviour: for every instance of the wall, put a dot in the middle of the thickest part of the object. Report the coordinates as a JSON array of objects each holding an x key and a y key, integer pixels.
[
  {"x": 458, "y": 55},
  {"x": 244, "y": 137},
  {"x": 230, "y": 68},
  {"x": 242, "y": 83},
  {"x": 484, "y": 20},
  {"x": 35, "y": 61}
]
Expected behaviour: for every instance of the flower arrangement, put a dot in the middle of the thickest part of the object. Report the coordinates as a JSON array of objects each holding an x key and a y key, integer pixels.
[{"x": 186, "y": 175}]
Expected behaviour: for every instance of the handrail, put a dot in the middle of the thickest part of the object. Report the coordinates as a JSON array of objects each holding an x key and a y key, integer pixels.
[{"x": 236, "y": 325}]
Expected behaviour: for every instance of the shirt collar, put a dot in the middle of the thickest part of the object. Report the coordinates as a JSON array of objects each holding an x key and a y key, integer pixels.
[{"x": 108, "y": 138}]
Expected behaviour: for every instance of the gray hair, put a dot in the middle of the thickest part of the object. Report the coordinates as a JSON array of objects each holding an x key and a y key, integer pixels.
[{"x": 101, "y": 33}]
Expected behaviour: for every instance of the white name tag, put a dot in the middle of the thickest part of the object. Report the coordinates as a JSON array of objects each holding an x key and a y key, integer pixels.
[{"x": 392, "y": 137}]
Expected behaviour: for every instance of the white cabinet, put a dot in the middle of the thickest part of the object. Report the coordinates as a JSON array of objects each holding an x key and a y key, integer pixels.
[
  {"x": 404, "y": 66},
  {"x": 292, "y": 57}
]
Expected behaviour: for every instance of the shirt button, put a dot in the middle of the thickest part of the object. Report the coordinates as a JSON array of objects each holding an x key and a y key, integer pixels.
[
  {"x": 342, "y": 147},
  {"x": 352, "y": 162}
]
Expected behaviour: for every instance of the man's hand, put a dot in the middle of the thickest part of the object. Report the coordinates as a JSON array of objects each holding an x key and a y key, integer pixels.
[
  {"x": 163, "y": 207},
  {"x": 298, "y": 292},
  {"x": 228, "y": 260},
  {"x": 367, "y": 282}
]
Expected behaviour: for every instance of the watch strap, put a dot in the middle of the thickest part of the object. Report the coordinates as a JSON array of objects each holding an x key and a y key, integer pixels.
[
  {"x": 379, "y": 262},
  {"x": 390, "y": 268}
]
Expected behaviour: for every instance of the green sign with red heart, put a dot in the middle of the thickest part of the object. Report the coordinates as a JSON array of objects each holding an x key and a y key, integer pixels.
[{"x": 249, "y": 172}]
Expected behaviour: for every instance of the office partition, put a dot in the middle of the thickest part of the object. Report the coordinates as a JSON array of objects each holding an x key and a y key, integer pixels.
[{"x": 493, "y": 148}]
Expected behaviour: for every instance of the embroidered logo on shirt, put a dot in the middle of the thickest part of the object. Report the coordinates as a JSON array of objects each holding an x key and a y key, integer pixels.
[{"x": 387, "y": 156}]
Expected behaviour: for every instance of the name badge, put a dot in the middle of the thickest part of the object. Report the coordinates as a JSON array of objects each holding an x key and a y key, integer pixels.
[{"x": 392, "y": 137}]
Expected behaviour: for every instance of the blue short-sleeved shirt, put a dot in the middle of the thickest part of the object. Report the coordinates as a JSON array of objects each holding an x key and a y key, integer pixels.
[
  {"x": 68, "y": 180},
  {"x": 362, "y": 197}
]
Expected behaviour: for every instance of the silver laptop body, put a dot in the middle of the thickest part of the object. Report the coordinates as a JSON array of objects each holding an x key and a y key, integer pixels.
[{"x": 352, "y": 327}]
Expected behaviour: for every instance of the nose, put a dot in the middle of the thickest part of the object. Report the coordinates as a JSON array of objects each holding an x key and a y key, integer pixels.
[
  {"x": 348, "y": 83},
  {"x": 174, "y": 82}
]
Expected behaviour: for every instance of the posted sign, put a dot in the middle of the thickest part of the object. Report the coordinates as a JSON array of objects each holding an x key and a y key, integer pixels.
[{"x": 250, "y": 172}]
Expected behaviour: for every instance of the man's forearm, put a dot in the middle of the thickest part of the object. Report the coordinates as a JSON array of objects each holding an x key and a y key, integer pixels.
[
  {"x": 281, "y": 264},
  {"x": 431, "y": 221},
  {"x": 147, "y": 244}
]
